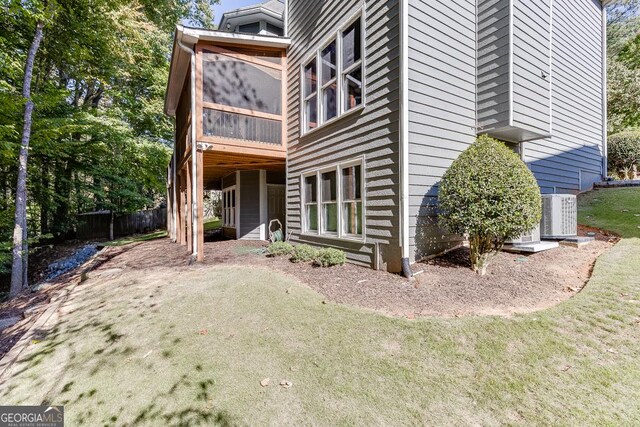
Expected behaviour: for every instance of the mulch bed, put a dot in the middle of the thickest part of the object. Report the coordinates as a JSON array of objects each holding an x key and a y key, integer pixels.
[{"x": 445, "y": 286}]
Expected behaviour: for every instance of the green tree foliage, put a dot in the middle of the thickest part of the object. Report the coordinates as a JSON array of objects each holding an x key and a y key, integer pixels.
[
  {"x": 623, "y": 65},
  {"x": 624, "y": 154},
  {"x": 491, "y": 195},
  {"x": 99, "y": 139}
]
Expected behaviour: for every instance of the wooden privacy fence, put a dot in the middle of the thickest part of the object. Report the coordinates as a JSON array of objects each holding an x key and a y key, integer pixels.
[{"x": 97, "y": 225}]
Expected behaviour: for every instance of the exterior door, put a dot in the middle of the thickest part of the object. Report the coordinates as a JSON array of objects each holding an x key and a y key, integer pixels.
[{"x": 276, "y": 196}]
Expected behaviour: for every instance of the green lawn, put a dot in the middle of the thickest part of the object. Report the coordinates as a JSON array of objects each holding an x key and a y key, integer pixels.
[
  {"x": 614, "y": 209},
  {"x": 212, "y": 224},
  {"x": 157, "y": 347},
  {"x": 137, "y": 239}
]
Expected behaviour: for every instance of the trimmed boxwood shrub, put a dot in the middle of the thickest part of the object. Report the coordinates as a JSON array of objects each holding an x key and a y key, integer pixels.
[
  {"x": 330, "y": 257},
  {"x": 279, "y": 249},
  {"x": 624, "y": 154},
  {"x": 491, "y": 195},
  {"x": 304, "y": 253}
]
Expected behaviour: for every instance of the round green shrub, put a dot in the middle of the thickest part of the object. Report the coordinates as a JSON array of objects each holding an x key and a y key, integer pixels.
[
  {"x": 304, "y": 253},
  {"x": 279, "y": 249},
  {"x": 330, "y": 257},
  {"x": 624, "y": 154},
  {"x": 491, "y": 195}
]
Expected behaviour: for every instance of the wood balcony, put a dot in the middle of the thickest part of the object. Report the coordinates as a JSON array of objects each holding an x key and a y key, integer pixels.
[{"x": 240, "y": 108}]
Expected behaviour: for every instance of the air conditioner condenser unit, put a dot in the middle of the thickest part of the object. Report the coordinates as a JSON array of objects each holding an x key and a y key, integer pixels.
[
  {"x": 559, "y": 216},
  {"x": 532, "y": 236}
]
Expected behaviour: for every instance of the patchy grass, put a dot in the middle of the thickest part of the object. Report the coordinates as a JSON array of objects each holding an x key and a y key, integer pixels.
[
  {"x": 137, "y": 239},
  {"x": 212, "y": 224},
  {"x": 190, "y": 347},
  {"x": 612, "y": 209}
]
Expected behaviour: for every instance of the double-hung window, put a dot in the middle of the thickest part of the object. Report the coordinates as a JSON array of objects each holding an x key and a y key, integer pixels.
[
  {"x": 229, "y": 207},
  {"x": 332, "y": 80},
  {"x": 333, "y": 201},
  {"x": 352, "y": 65},
  {"x": 311, "y": 95}
]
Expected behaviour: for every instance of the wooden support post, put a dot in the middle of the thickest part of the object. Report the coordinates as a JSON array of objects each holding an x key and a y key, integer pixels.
[
  {"x": 200, "y": 201},
  {"x": 189, "y": 191},
  {"x": 183, "y": 208}
]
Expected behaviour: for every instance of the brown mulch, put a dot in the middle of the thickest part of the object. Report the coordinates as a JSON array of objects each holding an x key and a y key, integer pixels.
[{"x": 444, "y": 286}]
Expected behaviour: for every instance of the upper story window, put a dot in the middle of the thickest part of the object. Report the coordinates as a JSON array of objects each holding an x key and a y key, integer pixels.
[{"x": 332, "y": 80}]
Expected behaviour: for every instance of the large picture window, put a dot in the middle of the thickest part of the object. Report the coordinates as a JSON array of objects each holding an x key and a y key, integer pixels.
[
  {"x": 333, "y": 201},
  {"x": 332, "y": 80}
]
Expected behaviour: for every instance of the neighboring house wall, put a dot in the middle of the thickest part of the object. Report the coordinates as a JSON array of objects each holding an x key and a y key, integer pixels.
[
  {"x": 575, "y": 150},
  {"x": 442, "y": 109},
  {"x": 371, "y": 132}
]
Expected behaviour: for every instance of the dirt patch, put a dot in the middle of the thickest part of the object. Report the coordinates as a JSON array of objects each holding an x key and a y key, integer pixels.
[{"x": 445, "y": 286}]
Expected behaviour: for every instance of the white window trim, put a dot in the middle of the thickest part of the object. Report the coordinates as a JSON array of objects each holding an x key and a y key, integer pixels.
[
  {"x": 226, "y": 210},
  {"x": 340, "y": 200},
  {"x": 340, "y": 76}
]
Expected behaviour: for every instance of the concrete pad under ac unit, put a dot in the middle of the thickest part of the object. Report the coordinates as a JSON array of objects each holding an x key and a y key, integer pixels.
[{"x": 531, "y": 247}]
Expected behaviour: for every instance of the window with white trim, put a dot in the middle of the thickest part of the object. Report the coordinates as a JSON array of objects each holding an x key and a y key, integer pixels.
[
  {"x": 333, "y": 200},
  {"x": 332, "y": 80},
  {"x": 311, "y": 95},
  {"x": 229, "y": 207}
]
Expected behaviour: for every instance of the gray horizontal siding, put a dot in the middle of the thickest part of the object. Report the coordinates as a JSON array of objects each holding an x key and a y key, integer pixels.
[
  {"x": 442, "y": 108},
  {"x": 493, "y": 68},
  {"x": 373, "y": 132},
  {"x": 575, "y": 148},
  {"x": 531, "y": 57}
]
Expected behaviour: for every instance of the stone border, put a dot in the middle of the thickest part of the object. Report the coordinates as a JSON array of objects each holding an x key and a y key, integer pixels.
[{"x": 617, "y": 184}]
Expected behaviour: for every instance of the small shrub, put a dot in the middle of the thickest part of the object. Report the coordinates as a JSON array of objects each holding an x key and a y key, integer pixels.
[
  {"x": 279, "y": 249},
  {"x": 624, "y": 154},
  {"x": 491, "y": 195},
  {"x": 330, "y": 257},
  {"x": 304, "y": 253}
]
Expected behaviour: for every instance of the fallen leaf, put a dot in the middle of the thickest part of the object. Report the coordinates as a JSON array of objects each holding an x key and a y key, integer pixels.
[
  {"x": 204, "y": 332},
  {"x": 286, "y": 384},
  {"x": 265, "y": 382}
]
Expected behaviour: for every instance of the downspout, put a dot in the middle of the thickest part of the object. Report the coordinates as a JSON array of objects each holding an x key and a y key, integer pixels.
[
  {"x": 404, "y": 137},
  {"x": 605, "y": 107},
  {"x": 194, "y": 147}
]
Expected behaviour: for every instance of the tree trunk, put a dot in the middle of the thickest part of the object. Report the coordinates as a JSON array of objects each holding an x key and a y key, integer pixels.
[{"x": 20, "y": 243}]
